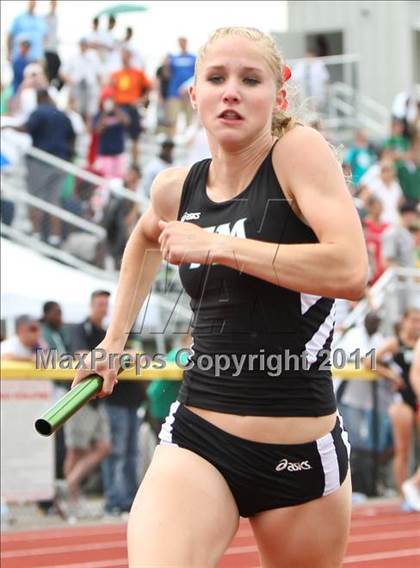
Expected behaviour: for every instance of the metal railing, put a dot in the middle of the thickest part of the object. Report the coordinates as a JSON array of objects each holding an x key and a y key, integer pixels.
[
  {"x": 346, "y": 108},
  {"x": 14, "y": 189},
  {"x": 396, "y": 289},
  {"x": 358, "y": 111},
  {"x": 116, "y": 189}
]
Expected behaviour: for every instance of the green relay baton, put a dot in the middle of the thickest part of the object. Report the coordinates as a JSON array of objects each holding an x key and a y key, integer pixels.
[{"x": 70, "y": 403}]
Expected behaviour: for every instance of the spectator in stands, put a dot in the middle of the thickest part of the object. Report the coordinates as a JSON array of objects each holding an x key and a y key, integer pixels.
[
  {"x": 121, "y": 216},
  {"x": 359, "y": 156},
  {"x": 312, "y": 76},
  {"x": 388, "y": 190},
  {"x": 98, "y": 41},
  {"x": 112, "y": 22},
  {"x": 52, "y": 59},
  {"x": 163, "y": 161},
  {"x": 399, "y": 241},
  {"x": 21, "y": 61},
  {"x": 120, "y": 469},
  {"x": 394, "y": 358},
  {"x": 53, "y": 334},
  {"x": 25, "y": 101},
  {"x": 34, "y": 27},
  {"x": 356, "y": 396},
  {"x": 23, "y": 345},
  {"x": 79, "y": 127},
  {"x": 399, "y": 248},
  {"x": 162, "y": 88},
  {"x": 408, "y": 171},
  {"x": 374, "y": 172},
  {"x": 405, "y": 107},
  {"x": 51, "y": 131},
  {"x": 110, "y": 125},
  {"x": 131, "y": 87},
  {"x": 82, "y": 74},
  {"x": 373, "y": 230},
  {"x": 112, "y": 56},
  {"x": 181, "y": 68},
  {"x": 137, "y": 60},
  {"x": 87, "y": 435},
  {"x": 95, "y": 37},
  {"x": 52, "y": 327},
  {"x": 397, "y": 142}
]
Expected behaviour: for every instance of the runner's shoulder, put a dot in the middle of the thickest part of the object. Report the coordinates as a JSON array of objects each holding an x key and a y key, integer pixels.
[{"x": 166, "y": 192}]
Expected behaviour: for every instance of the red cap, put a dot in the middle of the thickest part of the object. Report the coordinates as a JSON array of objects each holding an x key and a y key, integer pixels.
[{"x": 107, "y": 93}]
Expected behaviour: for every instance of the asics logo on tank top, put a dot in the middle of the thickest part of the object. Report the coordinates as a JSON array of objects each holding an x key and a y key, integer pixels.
[
  {"x": 190, "y": 216},
  {"x": 238, "y": 230},
  {"x": 292, "y": 466}
]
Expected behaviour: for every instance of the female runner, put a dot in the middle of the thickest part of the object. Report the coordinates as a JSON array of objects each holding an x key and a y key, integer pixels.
[{"x": 266, "y": 236}]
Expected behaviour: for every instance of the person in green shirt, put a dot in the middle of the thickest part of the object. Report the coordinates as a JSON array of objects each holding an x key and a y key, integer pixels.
[
  {"x": 162, "y": 393},
  {"x": 54, "y": 335},
  {"x": 397, "y": 141},
  {"x": 52, "y": 327},
  {"x": 408, "y": 172}
]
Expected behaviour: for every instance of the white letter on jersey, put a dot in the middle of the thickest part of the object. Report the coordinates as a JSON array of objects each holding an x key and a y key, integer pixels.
[{"x": 238, "y": 230}]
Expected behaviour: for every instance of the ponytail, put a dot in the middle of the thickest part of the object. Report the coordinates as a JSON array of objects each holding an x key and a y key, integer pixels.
[{"x": 281, "y": 123}]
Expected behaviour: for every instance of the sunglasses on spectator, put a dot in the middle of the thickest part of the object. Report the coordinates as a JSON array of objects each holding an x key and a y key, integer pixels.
[{"x": 33, "y": 327}]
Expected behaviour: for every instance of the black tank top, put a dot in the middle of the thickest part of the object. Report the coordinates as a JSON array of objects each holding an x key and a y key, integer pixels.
[
  {"x": 403, "y": 359},
  {"x": 281, "y": 337}
]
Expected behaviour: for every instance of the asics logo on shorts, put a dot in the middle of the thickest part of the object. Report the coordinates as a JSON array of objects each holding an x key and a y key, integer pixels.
[
  {"x": 293, "y": 466},
  {"x": 190, "y": 216}
]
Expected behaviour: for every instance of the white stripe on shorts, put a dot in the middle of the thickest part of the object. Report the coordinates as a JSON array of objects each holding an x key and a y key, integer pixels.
[
  {"x": 165, "y": 434},
  {"x": 328, "y": 455},
  {"x": 344, "y": 435}
]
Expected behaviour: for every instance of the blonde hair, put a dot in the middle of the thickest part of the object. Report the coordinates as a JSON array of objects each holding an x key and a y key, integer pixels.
[{"x": 281, "y": 122}]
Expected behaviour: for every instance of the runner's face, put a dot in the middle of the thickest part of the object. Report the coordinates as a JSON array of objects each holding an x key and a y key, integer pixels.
[{"x": 234, "y": 76}]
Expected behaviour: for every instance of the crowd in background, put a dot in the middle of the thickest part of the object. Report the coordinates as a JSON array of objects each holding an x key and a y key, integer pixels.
[
  {"x": 90, "y": 109},
  {"x": 108, "y": 92},
  {"x": 104, "y": 433},
  {"x": 107, "y": 98},
  {"x": 386, "y": 187}
]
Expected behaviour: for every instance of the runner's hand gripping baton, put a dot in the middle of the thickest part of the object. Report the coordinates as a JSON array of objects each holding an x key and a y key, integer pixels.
[{"x": 70, "y": 403}]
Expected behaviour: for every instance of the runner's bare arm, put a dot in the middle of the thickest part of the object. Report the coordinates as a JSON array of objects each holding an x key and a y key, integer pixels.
[
  {"x": 140, "y": 264},
  {"x": 142, "y": 256}
]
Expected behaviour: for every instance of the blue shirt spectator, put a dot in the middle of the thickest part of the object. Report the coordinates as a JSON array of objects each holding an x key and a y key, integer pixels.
[
  {"x": 112, "y": 136},
  {"x": 181, "y": 68},
  {"x": 33, "y": 27},
  {"x": 20, "y": 62},
  {"x": 50, "y": 129}
]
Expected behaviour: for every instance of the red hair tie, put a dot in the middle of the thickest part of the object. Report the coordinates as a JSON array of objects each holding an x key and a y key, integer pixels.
[{"x": 286, "y": 73}]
